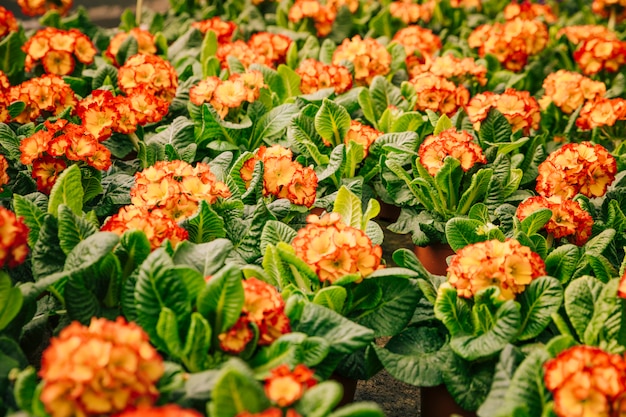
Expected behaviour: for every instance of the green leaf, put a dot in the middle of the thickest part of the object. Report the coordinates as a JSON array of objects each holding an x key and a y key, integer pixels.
[
  {"x": 326, "y": 51},
  {"x": 47, "y": 257},
  {"x": 25, "y": 388},
  {"x": 206, "y": 258},
  {"x": 580, "y": 298},
  {"x": 91, "y": 250},
  {"x": 11, "y": 55},
  {"x": 443, "y": 123},
  {"x": 416, "y": 356},
  {"x": 510, "y": 358},
  {"x": 448, "y": 180},
  {"x": 385, "y": 94},
  {"x": 273, "y": 123},
  {"x": 205, "y": 225},
  {"x": 332, "y": 122},
  {"x": 209, "y": 48},
  {"x": 538, "y": 302},
  {"x": 10, "y": 142},
  {"x": 606, "y": 320},
  {"x": 348, "y": 205},
  {"x": 526, "y": 389},
  {"x": 495, "y": 129},
  {"x": 596, "y": 245},
  {"x": 365, "y": 102},
  {"x": 222, "y": 299},
  {"x": 454, "y": 312},
  {"x": 67, "y": 190},
  {"x": 561, "y": 262},
  {"x": 320, "y": 399},
  {"x": 274, "y": 232},
  {"x": 11, "y": 300},
  {"x": 197, "y": 343},
  {"x": 359, "y": 409},
  {"x": 33, "y": 215},
  {"x": 535, "y": 221},
  {"x": 167, "y": 330},
  {"x": 461, "y": 232},
  {"x": 477, "y": 189},
  {"x": 105, "y": 75},
  {"x": 236, "y": 391},
  {"x": 291, "y": 79},
  {"x": 73, "y": 229},
  {"x": 333, "y": 297}
]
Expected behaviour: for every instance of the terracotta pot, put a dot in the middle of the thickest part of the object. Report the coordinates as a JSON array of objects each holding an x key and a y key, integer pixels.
[
  {"x": 433, "y": 257},
  {"x": 349, "y": 388},
  {"x": 437, "y": 402}
]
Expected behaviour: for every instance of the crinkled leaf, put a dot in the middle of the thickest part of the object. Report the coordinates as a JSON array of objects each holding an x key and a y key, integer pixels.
[
  {"x": 580, "y": 298},
  {"x": 73, "y": 229},
  {"x": 332, "y": 122},
  {"x": 222, "y": 299},
  {"x": 11, "y": 300},
  {"x": 538, "y": 302},
  {"x": 67, "y": 190},
  {"x": 205, "y": 225}
]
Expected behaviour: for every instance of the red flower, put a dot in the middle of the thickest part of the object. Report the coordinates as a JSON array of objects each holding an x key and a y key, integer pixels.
[{"x": 13, "y": 239}]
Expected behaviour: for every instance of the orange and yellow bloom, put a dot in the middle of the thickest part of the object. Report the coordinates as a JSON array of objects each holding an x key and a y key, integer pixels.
[
  {"x": 518, "y": 107},
  {"x": 145, "y": 43},
  {"x": 13, "y": 239},
  {"x": 284, "y": 387},
  {"x": 459, "y": 145},
  {"x": 58, "y": 50},
  {"x": 369, "y": 58}
]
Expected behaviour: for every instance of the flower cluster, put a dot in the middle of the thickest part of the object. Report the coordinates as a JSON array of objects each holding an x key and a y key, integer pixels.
[
  {"x": 529, "y": 11},
  {"x": 44, "y": 96},
  {"x": 369, "y": 58},
  {"x": 410, "y": 12},
  {"x": 284, "y": 387},
  {"x": 334, "y": 249},
  {"x": 263, "y": 48},
  {"x": 576, "y": 168},
  {"x": 224, "y": 95},
  {"x": 604, "y": 8},
  {"x": 101, "y": 369},
  {"x": 4, "y": 175},
  {"x": 223, "y": 29},
  {"x": 601, "y": 112},
  {"x": 586, "y": 381},
  {"x": 568, "y": 90},
  {"x": 8, "y": 23},
  {"x": 458, "y": 70},
  {"x": 466, "y": 4},
  {"x": 39, "y": 7},
  {"x": 518, "y": 107},
  {"x": 156, "y": 224},
  {"x": 511, "y": 42},
  {"x": 5, "y": 100},
  {"x": 568, "y": 219},
  {"x": 362, "y": 134},
  {"x": 50, "y": 150},
  {"x": 145, "y": 43},
  {"x": 169, "y": 410},
  {"x": 597, "y": 54},
  {"x": 576, "y": 34},
  {"x": 148, "y": 73},
  {"x": 459, "y": 145},
  {"x": 264, "y": 307},
  {"x": 420, "y": 44},
  {"x": 176, "y": 188},
  {"x": 283, "y": 177},
  {"x": 436, "y": 93},
  {"x": 508, "y": 265},
  {"x": 322, "y": 15},
  {"x": 102, "y": 113},
  {"x": 13, "y": 239},
  {"x": 58, "y": 50},
  {"x": 315, "y": 76}
]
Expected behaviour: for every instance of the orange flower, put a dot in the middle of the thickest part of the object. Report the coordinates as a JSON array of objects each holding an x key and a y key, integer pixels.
[
  {"x": 585, "y": 381},
  {"x": 568, "y": 219},
  {"x": 362, "y": 134},
  {"x": 334, "y": 249},
  {"x": 507, "y": 265},
  {"x": 323, "y": 15},
  {"x": 466, "y": 4},
  {"x": 13, "y": 239},
  {"x": 511, "y": 42},
  {"x": 45, "y": 96},
  {"x": 569, "y": 90},
  {"x": 284, "y": 387},
  {"x": 243, "y": 52},
  {"x": 8, "y": 23},
  {"x": 264, "y": 307},
  {"x": 368, "y": 56},
  {"x": 518, "y": 107},
  {"x": 458, "y": 70},
  {"x": 578, "y": 33},
  {"x": 604, "y": 8},
  {"x": 176, "y": 187},
  {"x": 46, "y": 170},
  {"x": 223, "y": 29},
  {"x": 418, "y": 41},
  {"x": 621, "y": 290},
  {"x": 272, "y": 46},
  {"x": 600, "y": 54},
  {"x": 438, "y": 94},
  {"x": 57, "y": 50},
  {"x": 576, "y": 168},
  {"x": 169, "y": 410},
  {"x": 459, "y": 145},
  {"x": 40, "y": 7},
  {"x": 157, "y": 225},
  {"x": 410, "y": 12},
  {"x": 4, "y": 175},
  {"x": 148, "y": 73},
  {"x": 145, "y": 43},
  {"x": 98, "y": 370},
  {"x": 600, "y": 112},
  {"x": 529, "y": 11},
  {"x": 315, "y": 76}
]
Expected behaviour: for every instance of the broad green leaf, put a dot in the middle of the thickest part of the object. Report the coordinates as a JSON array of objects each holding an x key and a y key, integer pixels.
[
  {"x": 303, "y": 275},
  {"x": 197, "y": 343},
  {"x": 209, "y": 48},
  {"x": 11, "y": 300},
  {"x": 205, "y": 225},
  {"x": 510, "y": 358},
  {"x": 348, "y": 205},
  {"x": 332, "y": 122},
  {"x": 606, "y": 320},
  {"x": 443, "y": 123},
  {"x": 133, "y": 249},
  {"x": 596, "y": 245},
  {"x": 291, "y": 79},
  {"x": 535, "y": 221},
  {"x": 333, "y": 297},
  {"x": 461, "y": 232},
  {"x": 580, "y": 298},
  {"x": 47, "y": 257},
  {"x": 11, "y": 55},
  {"x": 91, "y": 250},
  {"x": 476, "y": 191},
  {"x": 274, "y": 232},
  {"x": 33, "y": 216},
  {"x": 365, "y": 102},
  {"x": 359, "y": 409},
  {"x": 538, "y": 302},
  {"x": 10, "y": 142},
  {"x": 468, "y": 382},
  {"x": 448, "y": 180},
  {"x": 167, "y": 330},
  {"x": 105, "y": 75},
  {"x": 236, "y": 391},
  {"x": 526, "y": 389},
  {"x": 206, "y": 258},
  {"x": 394, "y": 311},
  {"x": 602, "y": 268},
  {"x": 273, "y": 123},
  {"x": 319, "y": 400},
  {"x": 454, "y": 312},
  {"x": 495, "y": 129},
  {"x": 562, "y": 261},
  {"x": 385, "y": 94},
  {"x": 73, "y": 229},
  {"x": 416, "y": 356},
  {"x": 222, "y": 299},
  {"x": 327, "y": 50},
  {"x": 25, "y": 388},
  {"x": 180, "y": 135},
  {"x": 67, "y": 190}
]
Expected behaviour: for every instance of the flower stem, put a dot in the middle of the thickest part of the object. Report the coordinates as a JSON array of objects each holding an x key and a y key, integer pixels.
[
  {"x": 134, "y": 138},
  {"x": 138, "y": 12},
  {"x": 561, "y": 324}
]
